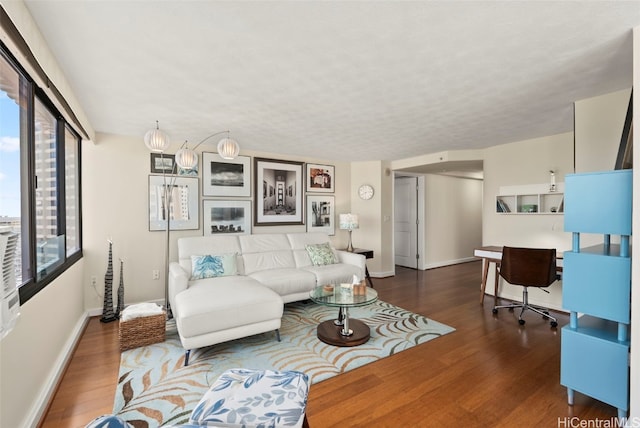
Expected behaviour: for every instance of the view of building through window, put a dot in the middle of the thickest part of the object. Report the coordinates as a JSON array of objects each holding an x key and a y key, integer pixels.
[{"x": 10, "y": 200}]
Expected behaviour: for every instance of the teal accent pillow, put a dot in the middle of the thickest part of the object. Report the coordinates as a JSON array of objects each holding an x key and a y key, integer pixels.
[
  {"x": 321, "y": 254},
  {"x": 211, "y": 266}
]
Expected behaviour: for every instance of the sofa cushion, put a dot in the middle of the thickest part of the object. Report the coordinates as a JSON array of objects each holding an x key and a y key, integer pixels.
[
  {"x": 266, "y": 251},
  {"x": 199, "y": 245},
  {"x": 299, "y": 242},
  {"x": 216, "y": 304},
  {"x": 262, "y": 243},
  {"x": 211, "y": 266},
  {"x": 286, "y": 281},
  {"x": 321, "y": 254}
]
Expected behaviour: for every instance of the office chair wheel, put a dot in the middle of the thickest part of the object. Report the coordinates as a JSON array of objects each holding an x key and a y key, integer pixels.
[
  {"x": 521, "y": 322},
  {"x": 495, "y": 311},
  {"x": 554, "y": 324}
]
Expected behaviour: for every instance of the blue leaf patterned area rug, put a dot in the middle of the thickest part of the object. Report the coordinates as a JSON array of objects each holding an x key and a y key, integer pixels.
[{"x": 154, "y": 388}]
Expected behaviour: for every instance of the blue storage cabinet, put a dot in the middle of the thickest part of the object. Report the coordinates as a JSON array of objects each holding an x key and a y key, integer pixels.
[
  {"x": 593, "y": 361},
  {"x": 587, "y": 276},
  {"x": 597, "y": 283}
]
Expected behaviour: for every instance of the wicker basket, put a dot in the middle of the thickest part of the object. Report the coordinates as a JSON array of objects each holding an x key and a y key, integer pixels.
[{"x": 142, "y": 331}]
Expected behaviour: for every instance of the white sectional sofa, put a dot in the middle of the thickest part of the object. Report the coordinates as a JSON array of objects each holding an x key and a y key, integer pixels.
[{"x": 254, "y": 276}]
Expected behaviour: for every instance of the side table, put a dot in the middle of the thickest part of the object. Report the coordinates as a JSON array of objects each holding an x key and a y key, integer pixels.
[{"x": 368, "y": 254}]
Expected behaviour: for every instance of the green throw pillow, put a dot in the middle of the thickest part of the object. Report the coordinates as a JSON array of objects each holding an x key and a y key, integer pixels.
[
  {"x": 321, "y": 254},
  {"x": 211, "y": 266}
]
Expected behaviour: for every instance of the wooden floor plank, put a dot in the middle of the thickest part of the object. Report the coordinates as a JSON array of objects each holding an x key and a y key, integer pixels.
[{"x": 490, "y": 372}]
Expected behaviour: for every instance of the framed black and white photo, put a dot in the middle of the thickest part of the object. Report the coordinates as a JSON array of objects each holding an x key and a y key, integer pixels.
[
  {"x": 321, "y": 214},
  {"x": 183, "y": 197},
  {"x": 162, "y": 163},
  {"x": 320, "y": 178},
  {"x": 283, "y": 202},
  {"x": 226, "y": 217},
  {"x": 223, "y": 177}
]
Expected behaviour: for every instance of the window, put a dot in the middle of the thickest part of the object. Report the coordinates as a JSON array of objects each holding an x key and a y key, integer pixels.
[
  {"x": 13, "y": 96},
  {"x": 39, "y": 180},
  {"x": 48, "y": 239},
  {"x": 72, "y": 190}
]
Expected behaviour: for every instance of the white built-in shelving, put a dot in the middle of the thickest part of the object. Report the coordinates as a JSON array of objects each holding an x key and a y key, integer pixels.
[{"x": 530, "y": 199}]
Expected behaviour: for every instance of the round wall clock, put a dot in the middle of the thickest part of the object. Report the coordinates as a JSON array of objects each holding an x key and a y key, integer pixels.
[{"x": 365, "y": 192}]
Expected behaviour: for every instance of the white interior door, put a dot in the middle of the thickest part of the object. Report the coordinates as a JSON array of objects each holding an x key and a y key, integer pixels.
[{"x": 405, "y": 215}]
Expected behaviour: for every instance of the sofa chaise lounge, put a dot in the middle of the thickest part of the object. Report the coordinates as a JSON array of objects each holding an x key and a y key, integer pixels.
[{"x": 225, "y": 287}]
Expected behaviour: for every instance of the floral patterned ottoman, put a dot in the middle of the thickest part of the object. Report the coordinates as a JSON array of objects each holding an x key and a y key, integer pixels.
[{"x": 254, "y": 398}]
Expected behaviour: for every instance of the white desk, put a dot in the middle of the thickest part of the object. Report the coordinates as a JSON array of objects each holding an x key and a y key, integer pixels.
[{"x": 493, "y": 254}]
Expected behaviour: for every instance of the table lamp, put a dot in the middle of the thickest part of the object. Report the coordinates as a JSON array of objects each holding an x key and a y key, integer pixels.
[{"x": 349, "y": 222}]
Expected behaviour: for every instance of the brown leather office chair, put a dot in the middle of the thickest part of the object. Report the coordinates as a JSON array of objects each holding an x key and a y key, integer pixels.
[{"x": 528, "y": 267}]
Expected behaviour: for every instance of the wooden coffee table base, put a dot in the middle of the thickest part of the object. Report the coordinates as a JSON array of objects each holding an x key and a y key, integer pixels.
[{"x": 329, "y": 333}]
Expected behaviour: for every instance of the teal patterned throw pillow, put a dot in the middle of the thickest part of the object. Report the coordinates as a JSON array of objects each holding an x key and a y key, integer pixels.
[
  {"x": 211, "y": 266},
  {"x": 321, "y": 254}
]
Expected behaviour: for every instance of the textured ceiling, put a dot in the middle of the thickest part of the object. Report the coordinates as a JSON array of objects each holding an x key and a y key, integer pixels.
[{"x": 340, "y": 80}]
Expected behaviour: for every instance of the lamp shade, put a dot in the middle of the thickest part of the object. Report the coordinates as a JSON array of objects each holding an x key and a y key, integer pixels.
[
  {"x": 348, "y": 221},
  {"x": 186, "y": 158},
  {"x": 156, "y": 140},
  {"x": 228, "y": 148}
]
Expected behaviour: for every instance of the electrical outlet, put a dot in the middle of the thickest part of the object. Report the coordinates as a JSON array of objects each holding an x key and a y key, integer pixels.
[
  {"x": 94, "y": 280},
  {"x": 155, "y": 274}
]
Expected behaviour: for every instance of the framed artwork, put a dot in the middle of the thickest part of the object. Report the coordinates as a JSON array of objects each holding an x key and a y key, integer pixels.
[
  {"x": 321, "y": 214},
  {"x": 320, "y": 178},
  {"x": 188, "y": 172},
  {"x": 184, "y": 202},
  {"x": 278, "y": 200},
  {"x": 162, "y": 163},
  {"x": 222, "y": 177},
  {"x": 226, "y": 217}
]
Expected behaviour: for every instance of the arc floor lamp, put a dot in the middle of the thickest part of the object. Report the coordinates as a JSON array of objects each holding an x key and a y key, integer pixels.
[{"x": 158, "y": 141}]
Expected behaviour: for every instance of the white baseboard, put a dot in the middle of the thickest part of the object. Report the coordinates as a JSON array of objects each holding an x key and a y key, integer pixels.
[
  {"x": 382, "y": 274},
  {"x": 449, "y": 262},
  {"x": 387, "y": 274},
  {"x": 41, "y": 403}
]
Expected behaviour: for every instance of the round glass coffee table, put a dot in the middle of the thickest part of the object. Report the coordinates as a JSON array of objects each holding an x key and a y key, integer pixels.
[{"x": 343, "y": 331}]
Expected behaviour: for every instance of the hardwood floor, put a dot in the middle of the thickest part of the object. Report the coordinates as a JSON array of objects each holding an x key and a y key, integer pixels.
[{"x": 490, "y": 372}]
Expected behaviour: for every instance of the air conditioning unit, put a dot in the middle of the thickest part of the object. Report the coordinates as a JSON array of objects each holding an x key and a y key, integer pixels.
[{"x": 9, "y": 297}]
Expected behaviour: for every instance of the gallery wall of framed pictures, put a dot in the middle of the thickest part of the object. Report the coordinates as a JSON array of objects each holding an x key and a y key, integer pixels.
[{"x": 284, "y": 193}]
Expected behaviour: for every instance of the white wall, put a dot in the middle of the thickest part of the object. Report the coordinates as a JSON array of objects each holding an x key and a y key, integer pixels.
[
  {"x": 387, "y": 256},
  {"x": 453, "y": 219},
  {"x": 369, "y": 234},
  {"x": 35, "y": 352},
  {"x": 525, "y": 163},
  {"x": 598, "y": 129}
]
